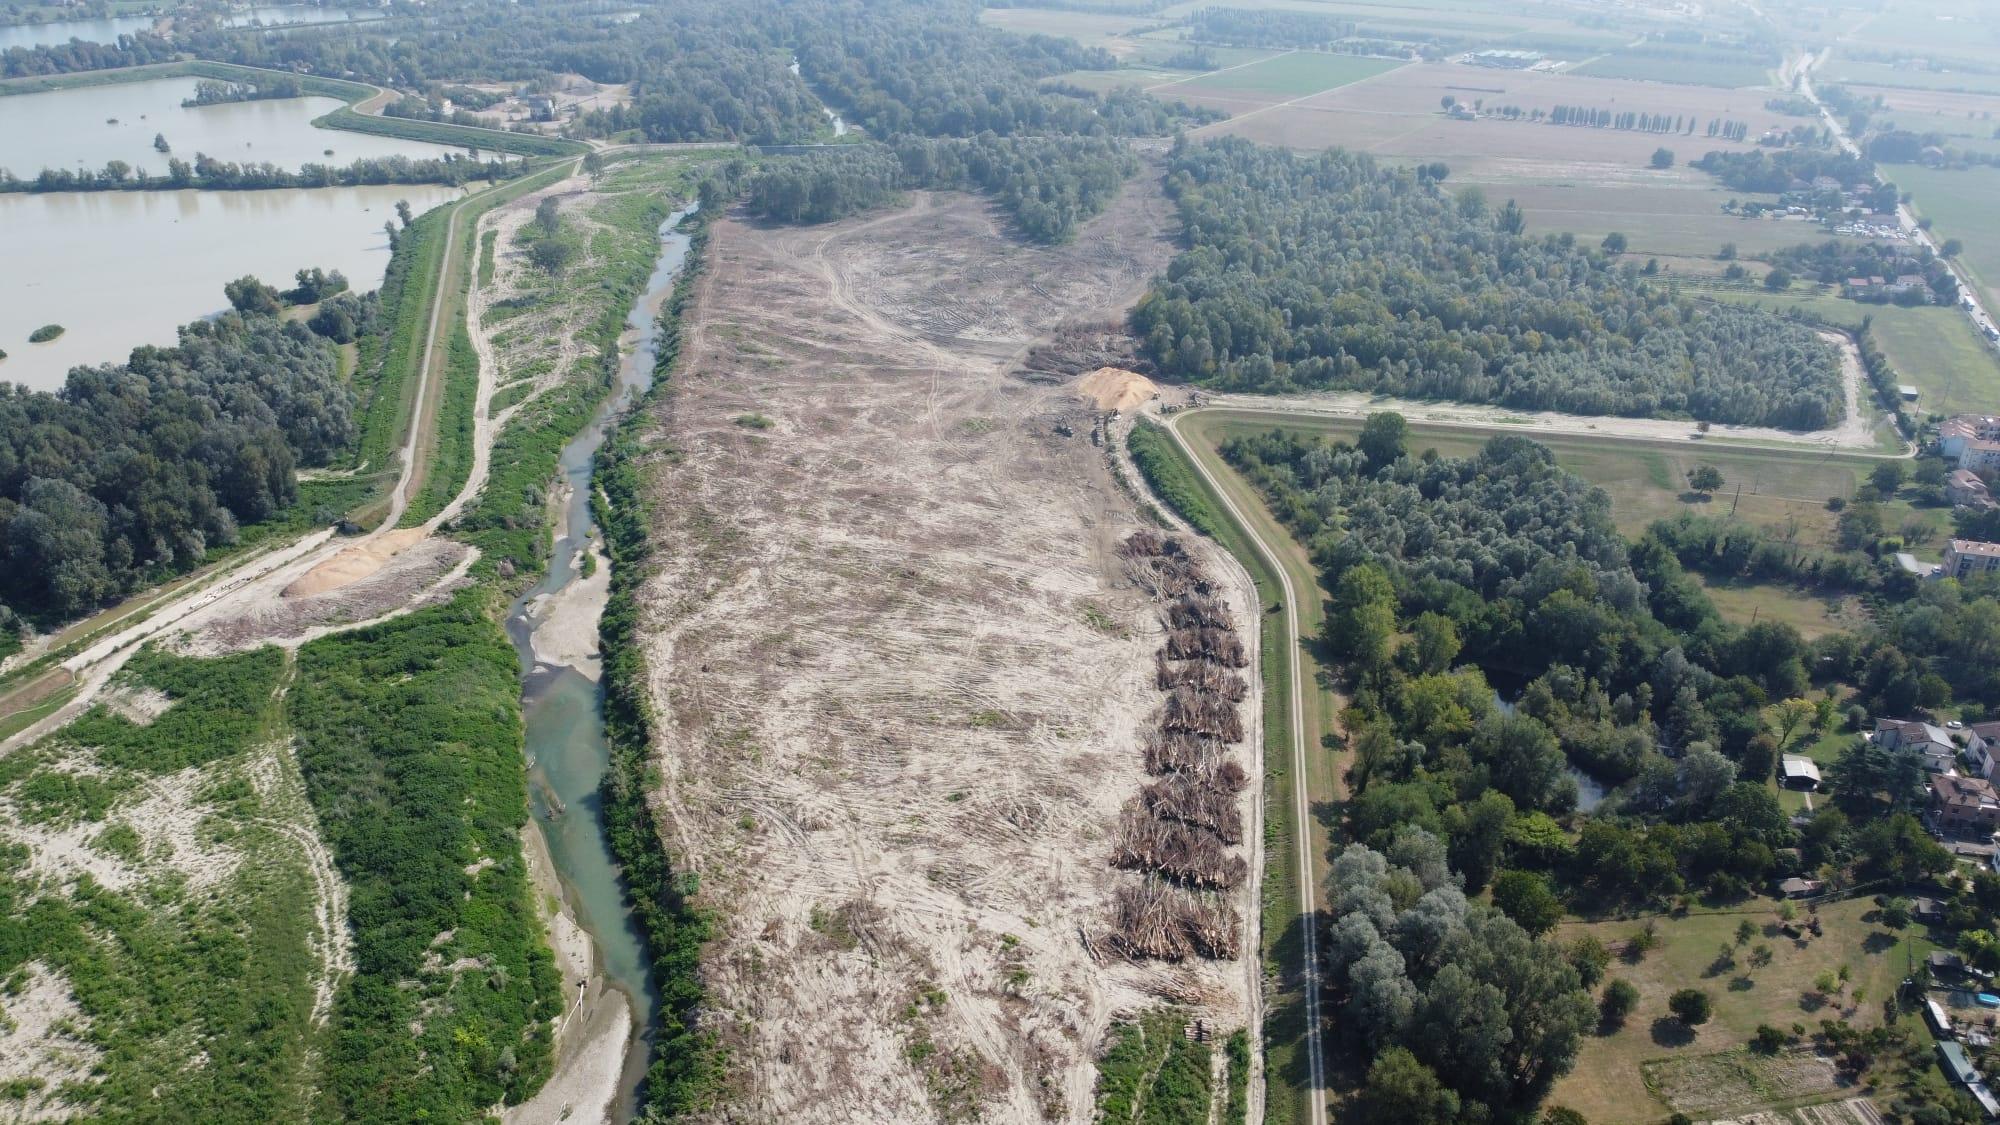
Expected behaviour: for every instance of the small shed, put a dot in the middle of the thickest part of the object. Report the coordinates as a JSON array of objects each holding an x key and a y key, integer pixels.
[
  {"x": 1945, "y": 961},
  {"x": 1957, "y": 1066},
  {"x": 1796, "y": 887},
  {"x": 1910, "y": 393},
  {"x": 1926, "y": 909},
  {"x": 1799, "y": 772}
]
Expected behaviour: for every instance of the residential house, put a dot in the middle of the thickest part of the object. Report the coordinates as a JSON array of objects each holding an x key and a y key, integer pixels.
[
  {"x": 1956, "y": 432},
  {"x": 1967, "y": 557},
  {"x": 1980, "y": 456},
  {"x": 1965, "y": 490},
  {"x": 1964, "y": 806},
  {"x": 1958, "y": 1066},
  {"x": 1796, "y": 887},
  {"x": 1932, "y": 742}
]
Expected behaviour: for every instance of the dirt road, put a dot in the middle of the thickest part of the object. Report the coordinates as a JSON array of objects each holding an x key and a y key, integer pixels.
[{"x": 1295, "y": 711}]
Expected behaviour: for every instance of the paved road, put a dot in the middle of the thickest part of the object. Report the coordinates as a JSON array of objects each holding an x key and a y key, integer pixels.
[
  {"x": 1308, "y": 893},
  {"x": 1972, "y": 300}
]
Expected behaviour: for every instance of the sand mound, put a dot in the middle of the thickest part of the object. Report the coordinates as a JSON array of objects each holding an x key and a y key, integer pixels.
[
  {"x": 1114, "y": 388},
  {"x": 355, "y": 563}
]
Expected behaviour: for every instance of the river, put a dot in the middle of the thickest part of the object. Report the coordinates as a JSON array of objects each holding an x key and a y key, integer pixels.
[
  {"x": 74, "y": 127},
  {"x": 118, "y": 269},
  {"x": 563, "y": 705}
]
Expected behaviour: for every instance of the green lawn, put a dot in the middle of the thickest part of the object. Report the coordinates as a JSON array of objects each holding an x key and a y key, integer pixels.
[
  {"x": 1296, "y": 74},
  {"x": 1608, "y": 1085},
  {"x": 1749, "y": 602}
]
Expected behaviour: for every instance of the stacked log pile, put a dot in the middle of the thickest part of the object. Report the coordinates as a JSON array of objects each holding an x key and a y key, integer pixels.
[{"x": 1183, "y": 830}]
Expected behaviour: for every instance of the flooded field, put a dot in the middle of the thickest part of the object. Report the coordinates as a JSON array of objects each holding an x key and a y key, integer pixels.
[{"x": 122, "y": 268}]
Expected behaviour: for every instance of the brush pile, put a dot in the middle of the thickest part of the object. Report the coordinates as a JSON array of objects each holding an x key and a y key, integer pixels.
[{"x": 1183, "y": 829}]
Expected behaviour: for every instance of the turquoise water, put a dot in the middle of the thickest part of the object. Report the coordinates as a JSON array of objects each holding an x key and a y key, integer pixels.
[{"x": 564, "y": 709}]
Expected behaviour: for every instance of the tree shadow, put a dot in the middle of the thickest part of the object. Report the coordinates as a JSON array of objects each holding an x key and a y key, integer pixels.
[
  {"x": 1879, "y": 942},
  {"x": 1742, "y": 984},
  {"x": 1811, "y": 1001},
  {"x": 1670, "y": 1032}
]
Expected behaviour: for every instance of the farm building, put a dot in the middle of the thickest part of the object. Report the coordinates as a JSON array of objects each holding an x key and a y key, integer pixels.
[{"x": 1799, "y": 772}]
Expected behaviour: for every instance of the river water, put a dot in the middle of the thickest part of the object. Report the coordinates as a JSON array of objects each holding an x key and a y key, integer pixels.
[
  {"x": 118, "y": 269},
  {"x": 564, "y": 708}
]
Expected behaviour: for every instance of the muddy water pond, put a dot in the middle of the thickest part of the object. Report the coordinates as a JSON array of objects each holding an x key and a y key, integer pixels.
[
  {"x": 28, "y": 36},
  {"x": 118, "y": 269},
  {"x": 563, "y": 707},
  {"x": 88, "y": 125}
]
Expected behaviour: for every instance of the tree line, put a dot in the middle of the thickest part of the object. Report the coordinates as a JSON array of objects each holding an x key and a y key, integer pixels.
[
  {"x": 1323, "y": 271},
  {"x": 209, "y": 174},
  {"x": 210, "y": 91},
  {"x": 1767, "y": 171},
  {"x": 1049, "y": 185}
]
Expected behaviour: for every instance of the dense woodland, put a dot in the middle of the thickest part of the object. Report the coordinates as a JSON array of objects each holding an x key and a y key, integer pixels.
[
  {"x": 135, "y": 470},
  {"x": 1449, "y": 576},
  {"x": 1329, "y": 271}
]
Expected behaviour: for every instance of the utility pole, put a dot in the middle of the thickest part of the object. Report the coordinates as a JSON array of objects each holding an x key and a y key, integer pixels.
[{"x": 1738, "y": 500}]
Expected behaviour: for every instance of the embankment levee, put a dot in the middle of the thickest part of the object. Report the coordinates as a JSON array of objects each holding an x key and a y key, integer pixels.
[
  {"x": 685, "y": 1070},
  {"x": 346, "y": 117}
]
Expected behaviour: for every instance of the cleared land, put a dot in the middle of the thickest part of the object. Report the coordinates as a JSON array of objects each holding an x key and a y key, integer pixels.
[
  {"x": 1652, "y": 1065},
  {"x": 897, "y": 671}
]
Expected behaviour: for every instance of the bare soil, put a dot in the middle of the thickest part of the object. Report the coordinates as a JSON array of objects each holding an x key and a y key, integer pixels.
[{"x": 899, "y": 674}]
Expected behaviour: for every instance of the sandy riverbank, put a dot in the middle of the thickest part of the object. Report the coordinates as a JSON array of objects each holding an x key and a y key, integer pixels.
[{"x": 596, "y": 1023}]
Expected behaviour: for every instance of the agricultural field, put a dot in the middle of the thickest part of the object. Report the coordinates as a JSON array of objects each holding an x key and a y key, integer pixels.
[
  {"x": 1113, "y": 32},
  {"x": 1697, "y": 72},
  {"x": 1964, "y": 121},
  {"x": 1960, "y": 205},
  {"x": 1850, "y": 71},
  {"x": 1652, "y": 1065},
  {"x": 1290, "y": 75},
  {"x": 1670, "y": 215},
  {"x": 1398, "y": 114}
]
